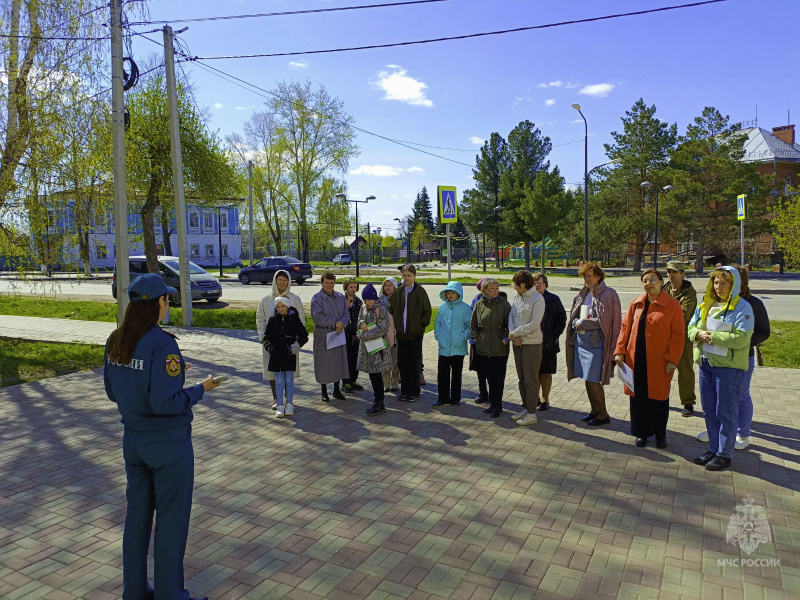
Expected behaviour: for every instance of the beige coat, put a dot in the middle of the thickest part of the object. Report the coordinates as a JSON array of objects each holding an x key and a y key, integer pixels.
[{"x": 266, "y": 308}]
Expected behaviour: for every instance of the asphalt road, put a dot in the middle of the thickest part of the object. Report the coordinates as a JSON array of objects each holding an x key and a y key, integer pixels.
[{"x": 782, "y": 307}]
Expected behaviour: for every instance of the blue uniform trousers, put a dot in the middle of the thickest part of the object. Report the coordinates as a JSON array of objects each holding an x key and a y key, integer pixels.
[{"x": 160, "y": 470}]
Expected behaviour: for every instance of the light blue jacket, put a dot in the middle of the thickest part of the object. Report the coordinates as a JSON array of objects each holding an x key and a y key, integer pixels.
[{"x": 451, "y": 328}]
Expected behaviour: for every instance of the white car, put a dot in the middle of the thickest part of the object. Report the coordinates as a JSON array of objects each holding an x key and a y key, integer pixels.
[{"x": 341, "y": 259}]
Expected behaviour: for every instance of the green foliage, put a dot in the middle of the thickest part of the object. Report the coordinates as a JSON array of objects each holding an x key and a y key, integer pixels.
[
  {"x": 787, "y": 226},
  {"x": 22, "y": 362},
  {"x": 782, "y": 348},
  {"x": 422, "y": 212},
  {"x": 545, "y": 207}
]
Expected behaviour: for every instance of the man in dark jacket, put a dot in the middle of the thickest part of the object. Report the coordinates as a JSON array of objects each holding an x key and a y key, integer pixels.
[
  {"x": 684, "y": 292},
  {"x": 410, "y": 308}
]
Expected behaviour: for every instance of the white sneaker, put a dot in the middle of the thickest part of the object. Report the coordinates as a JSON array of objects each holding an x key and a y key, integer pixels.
[
  {"x": 528, "y": 419},
  {"x": 702, "y": 436},
  {"x": 520, "y": 415},
  {"x": 742, "y": 442},
  {"x": 280, "y": 412},
  {"x": 289, "y": 410}
]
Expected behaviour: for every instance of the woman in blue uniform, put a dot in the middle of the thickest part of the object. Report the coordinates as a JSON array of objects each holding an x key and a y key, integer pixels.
[{"x": 144, "y": 374}]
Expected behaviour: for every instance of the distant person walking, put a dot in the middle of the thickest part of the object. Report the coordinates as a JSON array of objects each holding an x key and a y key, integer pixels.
[
  {"x": 592, "y": 334},
  {"x": 525, "y": 334},
  {"x": 451, "y": 330},
  {"x": 411, "y": 309},
  {"x": 683, "y": 291},
  {"x": 650, "y": 342},
  {"x": 553, "y": 324},
  {"x": 330, "y": 314}
]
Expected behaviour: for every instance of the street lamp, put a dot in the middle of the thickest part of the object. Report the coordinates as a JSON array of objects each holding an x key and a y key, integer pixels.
[
  {"x": 356, "y": 202},
  {"x": 666, "y": 189},
  {"x": 585, "y": 183},
  {"x": 497, "y": 235}
]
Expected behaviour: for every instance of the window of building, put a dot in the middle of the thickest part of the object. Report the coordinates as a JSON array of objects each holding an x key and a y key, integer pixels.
[
  {"x": 209, "y": 250},
  {"x": 225, "y": 250},
  {"x": 208, "y": 221},
  {"x": 101, "y": 251},
  {"x": 194, "y": 220},
  {"x": 223, "y": 220},
  {"x": 194, "y": 250}
]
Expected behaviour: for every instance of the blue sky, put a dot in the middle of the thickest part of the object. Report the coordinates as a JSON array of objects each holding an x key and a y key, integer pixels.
[{"x": 733, "y": 55}]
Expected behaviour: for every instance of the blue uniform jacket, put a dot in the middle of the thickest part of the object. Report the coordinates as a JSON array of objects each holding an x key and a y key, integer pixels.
[{"x": 149, "y": 390}]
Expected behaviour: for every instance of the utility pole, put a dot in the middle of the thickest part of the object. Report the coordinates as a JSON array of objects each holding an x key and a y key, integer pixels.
[
  {"x": 250, "y": 209},
  {"x": 288, "y": 230},
  {"x": 177, "y": 178},
  {"x": 219, "y": 230},
  {"x": 118, "y": 134}
]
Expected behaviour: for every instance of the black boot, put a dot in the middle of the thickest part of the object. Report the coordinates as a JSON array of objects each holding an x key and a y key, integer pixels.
[
  {"x": 325, "y": 397},
  {"x": 337, "y": 393},
  {"x": 377, "y": 408}
]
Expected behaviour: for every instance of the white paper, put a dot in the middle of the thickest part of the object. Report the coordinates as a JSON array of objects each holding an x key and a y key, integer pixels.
[
  {"x": 584, "y": 311},
  {"x": 335, "y": 340},
  {"x": 713, "y": 324},
  {"x": 376, "y": 345},
  {"x": 626, "y": 375}
]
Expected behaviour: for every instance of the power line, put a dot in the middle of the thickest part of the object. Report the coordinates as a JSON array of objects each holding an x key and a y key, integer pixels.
[
  {"x": 466, "y": 36},
  {"x": 293, "y": 12}
]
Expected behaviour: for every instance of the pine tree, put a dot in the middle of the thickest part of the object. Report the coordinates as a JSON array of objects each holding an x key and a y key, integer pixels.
[{"x": 422, "y": 212}]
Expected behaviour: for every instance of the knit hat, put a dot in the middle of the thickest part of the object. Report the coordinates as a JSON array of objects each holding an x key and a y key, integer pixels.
[
  {"x": 480, "y": 284},
  {"x": 369, "y": 292},
  {"x": 283, "y": 300}
]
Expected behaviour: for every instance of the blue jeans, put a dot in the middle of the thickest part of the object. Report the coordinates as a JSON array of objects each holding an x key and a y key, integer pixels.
[
  {"x": 284, "y": 380},
  {"x": 746, "y": 401},
  {"x": 719, "y": 396}
]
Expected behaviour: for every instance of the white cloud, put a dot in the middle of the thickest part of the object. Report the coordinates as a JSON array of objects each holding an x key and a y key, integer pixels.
[
  {"x": 550, "y": 101},
  {"x": 575, "y": 121},
  {"x": 598, "y": 90},
  {"x": 218, "y": 106},
  {"x": 416, "y": 170},
  {"x": 397, "y": 85},
  {"x": 557, "y": 83},
  {"x": 250, "y": 107},
  {"x": 298, "y": 64},
  {"x": 478, "y": 141},
  {"x": 377, "y": 171}
]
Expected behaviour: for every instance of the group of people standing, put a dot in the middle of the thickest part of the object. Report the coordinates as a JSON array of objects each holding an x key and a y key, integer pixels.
[{"x": 664, "y": 330}]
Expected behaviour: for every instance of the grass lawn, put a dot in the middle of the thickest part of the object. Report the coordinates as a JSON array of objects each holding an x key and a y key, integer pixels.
[
  {"x": 782, "y": 349},
  {"x": 21, "y": 362}
]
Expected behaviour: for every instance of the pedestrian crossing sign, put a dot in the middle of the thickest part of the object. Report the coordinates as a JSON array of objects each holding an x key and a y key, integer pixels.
[
  {"x": 741, "y": 206},
  {"x": 448, "y": 211}
]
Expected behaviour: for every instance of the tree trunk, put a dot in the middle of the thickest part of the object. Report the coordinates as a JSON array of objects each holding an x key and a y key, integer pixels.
[
  {"x": 527, "y": 255},
  {"x": 699, "y": 250},
  {"x": 148, "y": 224},
  {"x": 165, "y": 232},
  {"x": 638, "y": 252},
  {"x": 497, "y": 250},
  {"x": 542, "y": 255}
]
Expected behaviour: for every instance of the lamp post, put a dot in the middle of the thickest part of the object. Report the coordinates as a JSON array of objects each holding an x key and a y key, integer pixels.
[
  {"x": 484, "y": 244},
  {"x": 585, "y": 183},
  {"x": 356, "y": 202},
  {"x": 219, "y": 231},
  {"x": 497, "y": 235},
  {"x": 666, "y": 189}
]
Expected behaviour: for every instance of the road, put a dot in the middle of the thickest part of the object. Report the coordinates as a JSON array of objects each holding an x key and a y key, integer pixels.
[{"x": 781, "y": 307}]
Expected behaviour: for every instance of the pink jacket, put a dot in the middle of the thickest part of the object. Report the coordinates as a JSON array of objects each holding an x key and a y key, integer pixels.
[{"x": 607, "y": 306}]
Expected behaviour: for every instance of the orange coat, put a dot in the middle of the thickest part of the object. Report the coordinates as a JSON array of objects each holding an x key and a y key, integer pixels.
[{"x": 665, "y": 335}]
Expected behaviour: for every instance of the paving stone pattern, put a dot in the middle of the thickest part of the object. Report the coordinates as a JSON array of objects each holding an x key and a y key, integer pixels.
[{"x": 419, "y": 503}]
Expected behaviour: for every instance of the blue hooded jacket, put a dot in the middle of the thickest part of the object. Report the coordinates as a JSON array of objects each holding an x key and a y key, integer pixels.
[
  {"x": 451, "y": 328},
  {"x": 738, "y": 313}
]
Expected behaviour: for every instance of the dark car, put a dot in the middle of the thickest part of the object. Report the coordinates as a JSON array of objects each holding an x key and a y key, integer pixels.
[
  {"x": 264, "y": 270},
  {"x": 204, "y": 285}
]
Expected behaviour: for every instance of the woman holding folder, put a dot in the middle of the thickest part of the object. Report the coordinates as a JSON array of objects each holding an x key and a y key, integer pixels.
[
  {"x": 720, "y": 331},
  {"x": 650, "y": 343},
  {"x": 331, "y": 315}
]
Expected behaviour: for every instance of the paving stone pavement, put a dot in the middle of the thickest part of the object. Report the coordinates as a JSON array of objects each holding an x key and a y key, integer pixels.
[{"x": 419, "y": 503}]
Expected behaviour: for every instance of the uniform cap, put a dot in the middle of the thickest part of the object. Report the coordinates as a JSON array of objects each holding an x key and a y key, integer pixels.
[
  {"x": 149, "y": 286},
  {"x": 675, "y": 265}
]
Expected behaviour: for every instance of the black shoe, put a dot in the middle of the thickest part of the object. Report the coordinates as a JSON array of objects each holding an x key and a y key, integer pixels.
[
  {"x": 538, "y": 403},
  {"x": 325, "y": 397},
  {"x": 687, "y": 411},
  {"x": 412, "y": 398},
  {"x": 455, "y": 404},
  {"x": 487, "y": 410},
  {"x": 661, "y": 443},
  {"x": 641, "y": 442},
  {"x": 339, "y": 395},
  {"x": 496, "y": 413},
  {"x": 394, "y": 389},
  {"x": 356, "y": 387},
  {"x": 598, "y": 422},
  {"x": 480, "y": 400},
  {"x": 403, "y": 398},
  {"x": 705, "y": 459},
  {"x": 437, "y": 403},
  {"x": 718, "y": 463},
  {"x": 589, "y": 417},
  {"x": 347, "y": 387},
  {"x": 376, "y": 409},
  {"x": 544, "y": 405}
]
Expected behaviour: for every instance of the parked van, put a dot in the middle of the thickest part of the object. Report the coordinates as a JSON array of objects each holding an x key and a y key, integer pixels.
[{"x": 204, "y": 285}]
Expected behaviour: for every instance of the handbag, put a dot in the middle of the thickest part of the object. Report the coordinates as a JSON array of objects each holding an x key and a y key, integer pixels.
[{"x": 473, "y": 363}]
